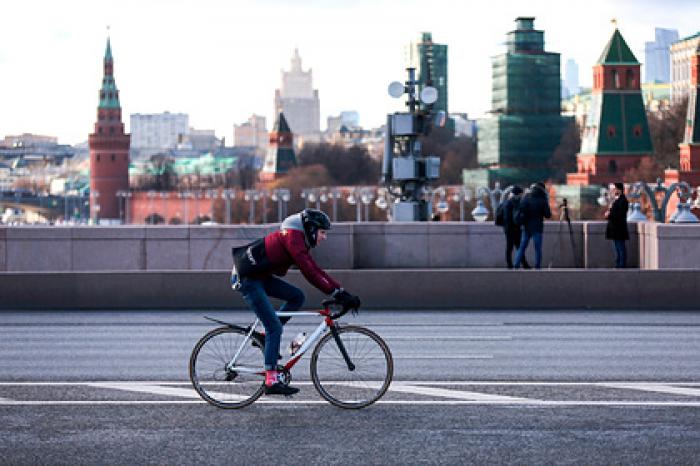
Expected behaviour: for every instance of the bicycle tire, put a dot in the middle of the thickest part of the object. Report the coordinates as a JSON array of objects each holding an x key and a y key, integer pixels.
[
  {"x": 208, "y": 374},
  {"x": 358, "y": 388}
]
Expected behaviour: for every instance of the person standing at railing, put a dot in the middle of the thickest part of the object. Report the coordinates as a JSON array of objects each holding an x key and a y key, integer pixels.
[{"x": 616, "y": 229}]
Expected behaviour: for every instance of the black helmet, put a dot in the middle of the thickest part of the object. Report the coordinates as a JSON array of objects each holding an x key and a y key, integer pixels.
[{"x": 314, "y": 220}]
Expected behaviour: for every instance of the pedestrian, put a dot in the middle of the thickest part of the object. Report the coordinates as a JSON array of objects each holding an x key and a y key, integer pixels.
[
  {"x": 511, "y": 229},
  {"x": 533, "y": 209},
  {"x": 616, "y": 229}
]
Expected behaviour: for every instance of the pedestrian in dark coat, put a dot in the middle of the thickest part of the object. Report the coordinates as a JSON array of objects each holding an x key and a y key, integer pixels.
[
  {"x": 616, "y": 229},
  {"x": 533, "y": 209},
  {"x": 512, "y": 230}
]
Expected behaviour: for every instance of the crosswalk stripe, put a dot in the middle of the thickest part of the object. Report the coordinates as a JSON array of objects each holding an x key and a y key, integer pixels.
[
  {"x": 456, "y": 394},
  {"x": 164, "y": 391}
]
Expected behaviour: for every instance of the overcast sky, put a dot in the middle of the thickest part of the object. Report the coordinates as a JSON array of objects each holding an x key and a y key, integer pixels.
[{"x": 220, "y": 60}]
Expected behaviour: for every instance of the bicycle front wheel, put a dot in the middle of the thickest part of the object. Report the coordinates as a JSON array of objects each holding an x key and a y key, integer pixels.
[
  {"x": 216, "y": 380},
  {"x": 359, "y": 380}
]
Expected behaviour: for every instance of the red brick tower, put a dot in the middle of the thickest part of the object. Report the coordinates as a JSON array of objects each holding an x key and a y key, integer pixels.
[
  {"x": 280, "y": 153},
  {"x": 690, "y": 147},
  {"x": 616, "y": 137},
  {"x": 109, "y": 149}
]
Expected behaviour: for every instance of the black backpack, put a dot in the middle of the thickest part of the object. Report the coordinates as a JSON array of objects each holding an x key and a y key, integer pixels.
[
  {"x": 500, "y": 219},
  {"x": 251, "y": 259}
]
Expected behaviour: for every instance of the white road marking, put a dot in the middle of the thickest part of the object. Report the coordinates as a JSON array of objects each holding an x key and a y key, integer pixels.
[
  {"x": 411, "y": 382},
  {"x": 460, "y": 338},
  {"x": 542, "y": 403},
  {"x": 457, "y": 394},
  {"x": 162, "y": 390},
  {"x": 655, "y": 387}
]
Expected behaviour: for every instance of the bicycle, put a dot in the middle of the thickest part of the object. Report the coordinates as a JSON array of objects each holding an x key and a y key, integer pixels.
[{"x": 351, "y": 366}]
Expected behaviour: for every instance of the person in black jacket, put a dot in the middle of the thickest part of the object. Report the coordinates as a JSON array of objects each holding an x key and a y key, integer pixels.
[
  {"x": 617, "y": 225},
  {"x": 512, "y": 230},
  {"x": 533, "y": 209}
]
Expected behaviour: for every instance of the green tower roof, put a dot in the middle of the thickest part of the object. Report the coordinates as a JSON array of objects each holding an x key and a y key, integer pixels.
[
  {"x": 617, "y": 52},
  {"x": 109, "y": 94},
  {"x": 108, "y": 51}
]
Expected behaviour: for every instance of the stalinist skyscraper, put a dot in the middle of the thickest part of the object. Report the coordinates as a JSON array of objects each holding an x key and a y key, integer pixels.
[{"x": 298, "y": 100}]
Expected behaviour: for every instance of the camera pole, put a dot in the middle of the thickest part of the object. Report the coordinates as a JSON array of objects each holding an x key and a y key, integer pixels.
[{"x": 564, "y": 217}]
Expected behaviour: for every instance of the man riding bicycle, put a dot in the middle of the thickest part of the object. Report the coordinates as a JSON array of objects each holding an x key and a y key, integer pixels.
[{"x": 256, "y": 267}]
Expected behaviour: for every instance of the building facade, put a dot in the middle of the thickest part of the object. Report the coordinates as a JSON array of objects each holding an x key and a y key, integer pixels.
[
  {"x": 682, "y": 53},
  {"x": 299, "y": 101},
  {"x": 155, "y": 132},
  {"x": 252, "y": 133},
  {"x": 109, "y": 149},
  {"x": 430, "y": 61},
  {"x": 690, "y": 147},
  {"x": 616, "y": 136},
  {"x": 517, "y": 141},
  {"x": 657, "y": 56},
  {"x": 571, "y": 82}
]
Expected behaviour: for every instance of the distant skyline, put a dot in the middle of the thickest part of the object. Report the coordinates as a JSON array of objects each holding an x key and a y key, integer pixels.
[{"x": 219, "y": 61}]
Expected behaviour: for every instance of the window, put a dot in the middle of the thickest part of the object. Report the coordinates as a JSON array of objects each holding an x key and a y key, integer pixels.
[
  {"x": 97, "y": 157},
  {"x": 615, "y": 77},
  {"x": 611, "y": 131},
  {"x": 612, "y": 166},
  {"x": 113, "y": 157},
  {"x": 631, "y": 81},
  {"x": 99, "y": 130},
  {"x": 637, "y": 130},
  {"x": 111, "y": 130}
]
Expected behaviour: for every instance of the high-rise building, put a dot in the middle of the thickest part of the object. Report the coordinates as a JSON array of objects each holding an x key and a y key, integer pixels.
[
  {"x": 298, "y": 100},
  {"x": 155, "y": 132},
  {"x": 280, "y": 156},
  {"x": 657, "y": 56},
  {"x": 348, "y": 119},
  {"x": 430, "y": 61},
  {"x": 109, "y": 148},
  {"x": 616, "y": 137},
  {"x": 516, "y": 142},
  {"x": 571, "y": 83},
  {"x": 682, "y": 53}
]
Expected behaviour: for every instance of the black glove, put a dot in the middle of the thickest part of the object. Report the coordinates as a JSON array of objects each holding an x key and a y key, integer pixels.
[{"x": 347, "y": 300}]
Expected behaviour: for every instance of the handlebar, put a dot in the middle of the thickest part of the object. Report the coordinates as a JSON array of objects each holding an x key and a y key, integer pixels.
[{"x": 327, "y": 303}]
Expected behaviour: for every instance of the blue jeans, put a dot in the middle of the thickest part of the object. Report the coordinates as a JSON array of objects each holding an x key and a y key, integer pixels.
[
  {"x": 620, "y": 253},
  {"x": 524, "y": 241},
  {"x": 255, "y": 293}
]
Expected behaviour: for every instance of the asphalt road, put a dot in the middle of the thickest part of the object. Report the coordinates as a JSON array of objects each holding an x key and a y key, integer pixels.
[{"x": 469, "y": 388}]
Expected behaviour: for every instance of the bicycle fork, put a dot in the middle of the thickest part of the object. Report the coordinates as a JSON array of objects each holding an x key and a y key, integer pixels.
[{"x": 341, "y": 347}]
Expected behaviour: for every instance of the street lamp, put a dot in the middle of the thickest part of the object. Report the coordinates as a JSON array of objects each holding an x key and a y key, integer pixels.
[
  {"x": 353, "y": 199},
  {"x": 186, "y": 196},
  {"x": 151, "y": 197},
  {"x": 334, "y": 194},
  {"x": 480, "y": 212},
  {"x": 682, "y": 189},
  {"x": 366, "y": 196},
  {"x": 164, "y": 196},
  {"x": 228, "y": 195},
  {"x": 252, "y": 196},
  {"x": 281, "y": 196},
  {"x": 94, "y": 195},
  {"x": 462, "y": 195}
]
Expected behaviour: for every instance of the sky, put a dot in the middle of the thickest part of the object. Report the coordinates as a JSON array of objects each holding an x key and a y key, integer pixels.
[{"x": 220, "y": 60}]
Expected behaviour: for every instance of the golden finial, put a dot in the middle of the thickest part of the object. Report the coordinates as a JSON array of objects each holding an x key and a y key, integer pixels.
[{"x": 614, "y": 22}]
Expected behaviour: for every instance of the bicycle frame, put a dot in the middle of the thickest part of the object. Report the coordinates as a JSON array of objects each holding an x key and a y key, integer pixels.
[{"x": 327, "y": 325}]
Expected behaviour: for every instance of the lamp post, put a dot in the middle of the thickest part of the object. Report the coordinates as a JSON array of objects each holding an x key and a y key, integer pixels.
[
  {"x": 462, "y": 195},
  {"x": 311, "y": 196},
  {"x": 252, "y": 196},
  {"x": 334, "y": 194},
  {"x": 151, "y": 199},
  {"x": 366, "y": 196},
  {"x": 164, "y": 196},
  {"x": 683, "y": 191},
  {"x": 186, "y": 196},
  {"x": 496, "y": 196},
  {"x": 353, "y": 199},
  {"x": 281, "y": 196},
  {"x": 228, "y": 194}
]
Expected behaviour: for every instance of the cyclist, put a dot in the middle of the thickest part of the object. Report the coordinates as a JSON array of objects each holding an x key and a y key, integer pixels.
[{"x": 256, "y": 267}]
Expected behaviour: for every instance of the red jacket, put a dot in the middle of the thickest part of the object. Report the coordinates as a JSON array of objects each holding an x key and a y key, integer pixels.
[{"x": 285, "y": 248}]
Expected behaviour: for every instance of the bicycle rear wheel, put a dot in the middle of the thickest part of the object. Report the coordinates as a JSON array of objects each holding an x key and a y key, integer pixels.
[
  {"x": 360, "y": 386},
  {"x": 218, "y": 385}
]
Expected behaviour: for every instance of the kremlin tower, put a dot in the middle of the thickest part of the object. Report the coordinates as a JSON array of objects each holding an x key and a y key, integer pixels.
[
  {"x": 616, "y": 137},
  {"x": 280, "y": 153},
  {"x": 109, "y": 149}
]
